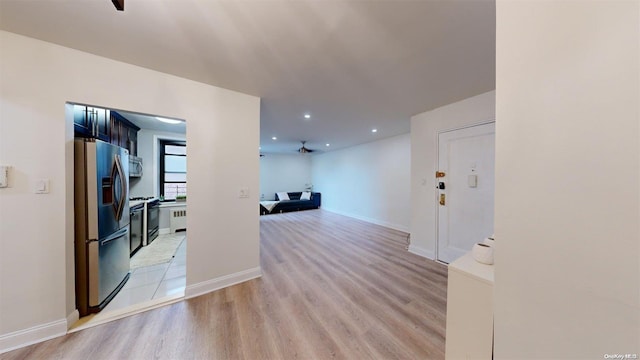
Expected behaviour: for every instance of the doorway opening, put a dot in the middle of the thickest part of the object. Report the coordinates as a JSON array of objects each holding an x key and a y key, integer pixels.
[
  {"x": 155, "y": 250},
  {"x": 465, "y": 189}
]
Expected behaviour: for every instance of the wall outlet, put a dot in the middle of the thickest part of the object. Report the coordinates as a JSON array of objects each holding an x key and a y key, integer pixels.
[
  {"x": 244, "y": 192},
  {"x": 42, "y": 186}
]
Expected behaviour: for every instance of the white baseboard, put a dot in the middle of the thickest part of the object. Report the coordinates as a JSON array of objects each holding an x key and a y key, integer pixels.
[
  {"x": 370, "y": 220},
  {"x": 72, "y": 318},
  {"x": 429, "y": 254},
  {"x": 32, "y": 335},
  {"x": 164, "y": 231},
  {"x": 208, "y": 286},
  {"x": 103, "y": 318}
]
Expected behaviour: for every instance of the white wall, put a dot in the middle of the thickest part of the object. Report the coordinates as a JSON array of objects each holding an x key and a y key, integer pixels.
[
  {"x": 567, "y": 272},
  {"x": 368, "y": 182},
  {"x": 284, "y": 172},
  {"x": 36, "y": 231},
  {"x": 148, "y": 150},
  {"x": 424, "y": 161}
]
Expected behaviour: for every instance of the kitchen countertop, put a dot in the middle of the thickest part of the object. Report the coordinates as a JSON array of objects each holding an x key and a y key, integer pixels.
[
  {"x": 133, "y": 203},
  {"x": 468, "y": 266}
]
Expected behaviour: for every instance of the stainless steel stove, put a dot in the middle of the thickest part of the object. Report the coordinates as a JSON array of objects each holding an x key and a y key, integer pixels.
[{"x": 150, "y": 218}]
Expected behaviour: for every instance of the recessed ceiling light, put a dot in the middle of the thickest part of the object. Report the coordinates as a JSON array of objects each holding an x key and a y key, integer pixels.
[
  {"x": 374, "y": 130},
  {"x": 327, "y": 144},
  {"x": 274, "y": 138},
  {"x": 168, "y": 121},
  {"x": 307, "y": 116}
]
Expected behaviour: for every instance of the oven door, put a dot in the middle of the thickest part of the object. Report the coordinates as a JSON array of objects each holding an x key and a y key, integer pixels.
[
  {"x": 153, "y": 221},
  {"x": 137, "y": 229}
]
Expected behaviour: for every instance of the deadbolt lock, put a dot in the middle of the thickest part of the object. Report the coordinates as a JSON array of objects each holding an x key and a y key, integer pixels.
[
  {"x": 440, "y": 174},
  {"x": 442, "y": 197}
]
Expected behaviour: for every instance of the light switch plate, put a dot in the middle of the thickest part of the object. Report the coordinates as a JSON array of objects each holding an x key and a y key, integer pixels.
[
  {"x": 244, "y": 192},
  {"x": 472, "y": 180},
  {"x": 4, "y": 176}
]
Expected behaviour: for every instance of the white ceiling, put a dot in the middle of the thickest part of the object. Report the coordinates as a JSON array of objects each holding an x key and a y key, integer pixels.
[{"x": 353, "y": 65}]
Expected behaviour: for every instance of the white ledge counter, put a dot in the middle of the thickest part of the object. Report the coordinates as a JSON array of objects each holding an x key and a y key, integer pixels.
[{"x": 469, "y": 310}]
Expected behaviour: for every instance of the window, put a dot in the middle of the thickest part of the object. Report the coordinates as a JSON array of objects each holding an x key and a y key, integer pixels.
[{"x": 173, "y": 169}]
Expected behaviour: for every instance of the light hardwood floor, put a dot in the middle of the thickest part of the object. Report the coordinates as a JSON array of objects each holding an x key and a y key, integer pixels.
[{"x": 333, "y": 287}]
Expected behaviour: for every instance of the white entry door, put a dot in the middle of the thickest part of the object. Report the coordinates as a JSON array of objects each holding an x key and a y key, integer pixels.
[{"x": 465, "y": 186}]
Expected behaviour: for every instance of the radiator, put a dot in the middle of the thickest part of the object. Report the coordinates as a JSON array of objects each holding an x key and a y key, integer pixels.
[{"x": 178, "y": 220}]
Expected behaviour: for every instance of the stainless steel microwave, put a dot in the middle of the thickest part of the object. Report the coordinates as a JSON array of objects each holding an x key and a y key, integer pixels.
[{"x": 135, "y": 166}]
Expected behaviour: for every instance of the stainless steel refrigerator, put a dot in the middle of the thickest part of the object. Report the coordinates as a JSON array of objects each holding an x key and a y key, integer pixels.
[{"x": 101, "y": 223}]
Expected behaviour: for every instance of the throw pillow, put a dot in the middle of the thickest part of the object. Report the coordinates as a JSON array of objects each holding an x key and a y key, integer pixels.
[
  {"x": 283, "y": 196},
  {"x": 306, "y": 195}
]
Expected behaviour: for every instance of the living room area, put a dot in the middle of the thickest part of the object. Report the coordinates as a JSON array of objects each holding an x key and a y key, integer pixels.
[
  {"x": 369, "y": 182},
  {"x": 388, "y": 180}
]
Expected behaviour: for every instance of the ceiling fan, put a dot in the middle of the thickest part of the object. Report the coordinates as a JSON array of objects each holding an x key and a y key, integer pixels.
[
  {"x": 119, "y": 4},
  {"x": 304, "y": 150}
]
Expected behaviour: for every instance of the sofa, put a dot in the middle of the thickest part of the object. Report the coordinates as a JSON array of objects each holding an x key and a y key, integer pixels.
[{"x": 293, "y": 204}]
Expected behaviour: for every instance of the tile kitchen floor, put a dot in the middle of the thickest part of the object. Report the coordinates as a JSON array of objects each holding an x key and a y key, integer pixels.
[{"x": 153, "y": 282}]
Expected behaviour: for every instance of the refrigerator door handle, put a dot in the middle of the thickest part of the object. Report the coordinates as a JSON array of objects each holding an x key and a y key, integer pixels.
[
  {"x": 115, "y": 203},
  {"x": 124, "y": 196},
  {"x": 119, "y": 204},
  {"x": 116, "y": 235}
]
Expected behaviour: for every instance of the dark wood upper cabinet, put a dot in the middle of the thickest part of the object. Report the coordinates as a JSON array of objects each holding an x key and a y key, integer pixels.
[
  {"x": 133, "y": 141},
  {"x": 106, "y": 125},
  {"x": 101, "y": 119},
  {"x": 114, "y": 124},
  {"x": 124, "y": 133},
  {"x": 81, "y": 122},
  {"x": 124, "y": 136}
]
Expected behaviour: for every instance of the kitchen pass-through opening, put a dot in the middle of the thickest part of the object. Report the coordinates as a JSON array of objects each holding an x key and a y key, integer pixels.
[{"x": 127, "y": 255}]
